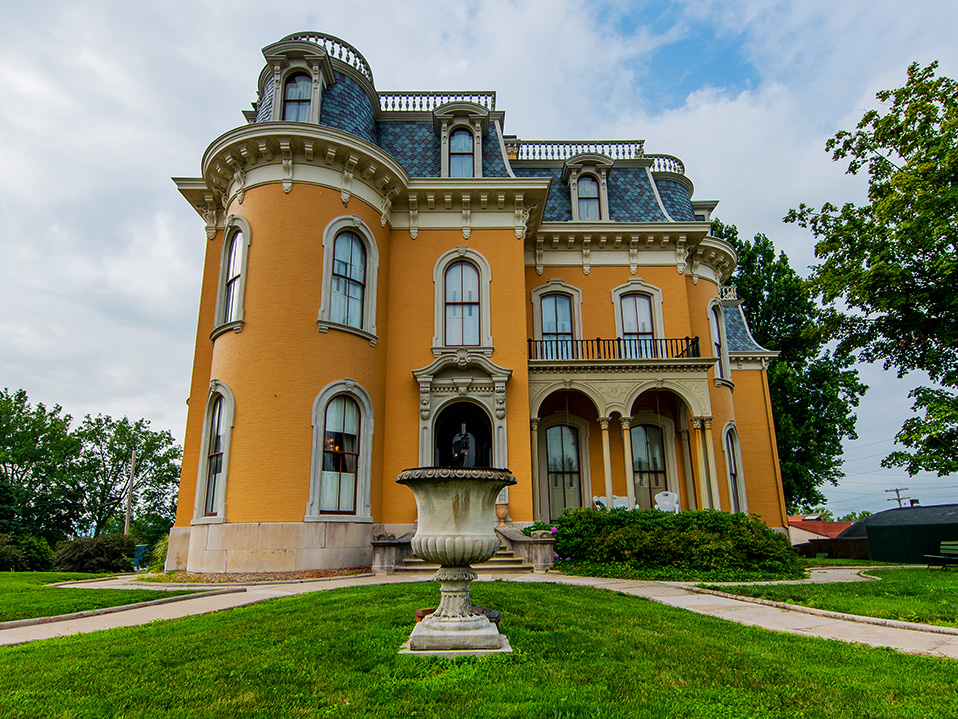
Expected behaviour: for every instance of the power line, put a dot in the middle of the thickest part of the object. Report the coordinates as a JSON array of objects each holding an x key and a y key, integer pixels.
[{"x": 898, "y": 497}]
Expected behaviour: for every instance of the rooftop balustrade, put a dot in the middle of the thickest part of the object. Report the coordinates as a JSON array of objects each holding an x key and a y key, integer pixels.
[
  {"x": 336, "y": 49},
  {"x": 428, "y": 101}
]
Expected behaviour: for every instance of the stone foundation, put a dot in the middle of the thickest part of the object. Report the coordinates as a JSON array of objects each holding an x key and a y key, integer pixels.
[{"x": 270, "y": 546}]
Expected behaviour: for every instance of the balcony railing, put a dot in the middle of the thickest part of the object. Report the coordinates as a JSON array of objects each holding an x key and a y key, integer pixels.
[
  {"x": 614, "y": 349},
  {"x": 336, "y": 48},
  {"x": 564, "y": 149}
]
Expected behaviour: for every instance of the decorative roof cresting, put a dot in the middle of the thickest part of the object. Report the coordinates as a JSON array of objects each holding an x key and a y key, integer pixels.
[{"x": 336, "y": 49}]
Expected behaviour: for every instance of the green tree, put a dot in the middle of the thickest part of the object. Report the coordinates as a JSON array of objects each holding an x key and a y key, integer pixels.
[
  {"x": 108, "y": 445},
  {"x": 813, "y": 392},
  {"x": 854, "y": 516},
  {"x": 893, "y": 261},
  {"x": 38, "y": 462}
]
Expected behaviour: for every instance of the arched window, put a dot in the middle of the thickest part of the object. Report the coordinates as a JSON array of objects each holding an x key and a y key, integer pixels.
[
  {"x": 716, "y": 325},
  {"x": 588, "y": 191},
  {"x": 557, "y": 333},
  {"x": 638, "y": 332},
  {"x": 341, "y": 464},
  {"x": 733, "y": 464},
  {"x": 296, "y": 97},
  {"x": 350, "y": 276},
  {"x": 461, "y": 154},
  {"x": 348, "y": 280},
  {"x": 337, "y": 493},
  {"x": 210, "y": 504},
  {"x": 214, "y": 456},
  {"x": 232, "y": 278},
  {"x": 233, "y": 274},
  {"x": 563, "y": 467},
  {"x": 648, "y": 464},
  {"x": 462, "y": 305}
]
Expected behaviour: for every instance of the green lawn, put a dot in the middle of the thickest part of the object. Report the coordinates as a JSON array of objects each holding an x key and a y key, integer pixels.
[
  {"x": 24, "y": 596},
  {"x": 929, "y": 596},
  {"x": 580, "y": 652}
]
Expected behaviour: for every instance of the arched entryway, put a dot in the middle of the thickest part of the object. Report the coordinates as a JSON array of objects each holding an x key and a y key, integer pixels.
[{"x": 463, "y": 436}]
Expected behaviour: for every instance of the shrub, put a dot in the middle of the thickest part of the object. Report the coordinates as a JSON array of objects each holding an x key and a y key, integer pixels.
[
  {"x": 36, "y": 553},
  {"x": 708, "y": 542},
  {"x": 158, "y": 560},
  {"x": 106, "y": 553},
  {"x": 11, "y": 557}
]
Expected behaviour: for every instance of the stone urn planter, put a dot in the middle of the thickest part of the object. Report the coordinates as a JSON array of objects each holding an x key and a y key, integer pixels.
[{"x": 456, "y": 528}]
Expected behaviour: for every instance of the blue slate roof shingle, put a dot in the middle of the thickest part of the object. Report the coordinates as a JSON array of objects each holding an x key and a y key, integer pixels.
[
  {"x": 415, "y": 145},
  {"x": 559, "y": 203},
  {"x": 676, "y": 200},
  {"x": 737, "y": 335},
  {"x": 631, "y": 196},
  {"x": 346, "y": 106},
  {"x": 492, "y": 164},
  {"x": 265, "y": 108}
]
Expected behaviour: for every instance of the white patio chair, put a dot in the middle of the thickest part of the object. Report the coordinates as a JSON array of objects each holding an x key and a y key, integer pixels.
[{"x": 667, "y": 502}]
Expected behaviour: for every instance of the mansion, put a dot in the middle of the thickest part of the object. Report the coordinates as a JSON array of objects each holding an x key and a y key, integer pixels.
[{"x": 391, "y": 281}]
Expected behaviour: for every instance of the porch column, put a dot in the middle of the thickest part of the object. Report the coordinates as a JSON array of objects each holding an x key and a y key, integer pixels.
[
  {"x": 606, "y": 460},
  {"x": 710, "y": 458},
  {"x": 534, "y": 425},
  {"x": 627, "y": 452},
  {"x": 705, "y": 490},
  {"x": 691, "y": 502}
]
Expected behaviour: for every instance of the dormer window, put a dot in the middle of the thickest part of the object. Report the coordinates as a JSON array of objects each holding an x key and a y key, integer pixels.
[
  {"x": 461, "y": 163},
  {"x": 588, "y": 199},
  {"x": 296, "y": 97},
  {"x": 461, "y": 127},
  {"x": 586, "y": 174}
]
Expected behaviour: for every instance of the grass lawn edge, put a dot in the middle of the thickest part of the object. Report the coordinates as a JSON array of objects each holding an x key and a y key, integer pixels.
[
  {"x": 859, "y": 618},
  {"x": 34, "y": 621}
]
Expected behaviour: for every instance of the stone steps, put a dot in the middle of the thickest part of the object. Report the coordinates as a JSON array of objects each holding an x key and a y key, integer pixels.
[{"x": 504, "y": 562}]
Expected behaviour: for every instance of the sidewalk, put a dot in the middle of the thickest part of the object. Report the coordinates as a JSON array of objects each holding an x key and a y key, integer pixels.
[{"x": 916, "y": 639}]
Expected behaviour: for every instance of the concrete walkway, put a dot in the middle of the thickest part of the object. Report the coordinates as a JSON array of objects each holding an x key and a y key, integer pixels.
[{"x": 903, "y": 636}]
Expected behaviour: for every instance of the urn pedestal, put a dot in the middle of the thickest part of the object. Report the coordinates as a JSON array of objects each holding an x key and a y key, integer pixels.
[{"x": 456, "y": 528}]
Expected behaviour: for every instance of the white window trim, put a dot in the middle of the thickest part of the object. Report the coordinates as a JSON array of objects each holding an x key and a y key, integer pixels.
[
  {"x": 585, "y": 464},
  {"x": 598, "y": 167},
  {"x": 217, "y": 389},
  {"x": 439, "y": 345},
  {"x": 726, "y": 367},
  {"x": 317, "y": 71},
  {"x": 738, "y": 490},
  {"x": 636, "y": 286},
  {"x": 360, "y": 229},
  {"x": 354, "y": 391},
  {"x": 556, "y": 286},
  {"x": 648, "y": 416},
  {"x": 465, "y": 115},
  {"x": 476, "y": 131},
  {"x": 233, "y": 223}
]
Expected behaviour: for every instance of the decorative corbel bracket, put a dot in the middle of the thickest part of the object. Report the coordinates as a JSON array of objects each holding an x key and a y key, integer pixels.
[
  {"x": 500, "y": 390},
  {"x": 540, "y": 255},
  {"x": 387, "y": 205},
  {"x": 209, "y": 215},
  {"x": 681, "y": 254},
  {"x": 413, "y": 215},
  {"x": 286, "y": 148},
  {"x": 424, "y": 392},
  {"x": 466, "y": 216},
  {"x": 239, "y": 176},
  {"x": 586, "y": 255},
  {"x": 347, "y": 180},
  {"x": 633, "y": 254}
]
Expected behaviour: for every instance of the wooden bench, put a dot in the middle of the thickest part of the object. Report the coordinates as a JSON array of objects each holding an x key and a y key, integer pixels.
[{"x": 947, "y": 554}]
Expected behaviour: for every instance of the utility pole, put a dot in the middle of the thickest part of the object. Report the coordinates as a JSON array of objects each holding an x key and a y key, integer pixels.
[
  {"x": 129, "y": 494},
  {"x": 898, "y": 498}
]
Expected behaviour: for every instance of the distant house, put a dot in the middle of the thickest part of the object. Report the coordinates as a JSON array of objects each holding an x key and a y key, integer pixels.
[
  {"x": 804, "y": 527},
  {"x": 906, "y": 534}
]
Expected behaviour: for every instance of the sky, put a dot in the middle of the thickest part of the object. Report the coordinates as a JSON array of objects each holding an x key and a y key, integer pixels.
[{"x": 103, "y": 102}]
